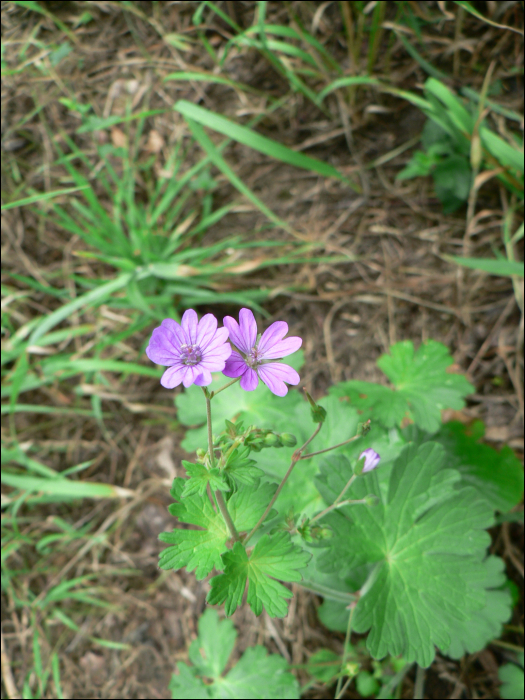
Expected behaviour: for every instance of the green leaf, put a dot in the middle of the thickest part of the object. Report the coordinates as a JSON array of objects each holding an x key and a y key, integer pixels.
[
  {"x": 272, "y": 557},
  {"x": 209, "y": 653},
  {"x": 497, "y": 476},
  {"x": 256, "y": 674},
  {"x": 422, "y": 550},
  {"x": 511, "y": 677},
  {"x": 185, "y": 686},
  {"x": 259, "y": 675},
  {"x": 366, "y": 684},
  {"x": 422, "y": 387},
  {"x": 202, "y": 549},
  {"x": 324, "y": 665},
  {"x": 452, "y": 181},
  {"x": 470, "y": 636},
  {"x": 200, "y": 477},
  {"x": 194, "y": 549},
  {"x": 240, "y": 469}
]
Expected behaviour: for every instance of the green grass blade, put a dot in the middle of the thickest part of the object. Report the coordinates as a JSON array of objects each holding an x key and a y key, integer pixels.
[
  {"x": 64, "y": 487},
  {"x": 97, "y": 295},
  {"x": 55, "y": 668},
  {"x": 253, "y": 140},
  {"x": 94, "y": 123},
  {"x": 216, "y": 158},
  {"x": 425, "y": 65},
  {"x": 210, "y": 78},
  {"x": 469, "y": 8},
  {"x": 503, "y": 268},
  {"x": 457, "y": 112},
  {"x": 347, "y": 82},
  {"x": 38, "y": 408},
  {"x": 507, "y": 155},
  {"x": 41, "y": 197}
]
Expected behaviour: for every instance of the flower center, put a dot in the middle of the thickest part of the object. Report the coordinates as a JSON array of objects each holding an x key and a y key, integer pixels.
[
  {"x": 190, "y": 354},
  {"x": 252, "y": 358}
]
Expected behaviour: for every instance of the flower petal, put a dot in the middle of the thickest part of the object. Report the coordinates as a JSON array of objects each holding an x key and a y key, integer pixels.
[
  {"x": 216, "y": 361},
  {"x": 249, "y": 380},
  {"x": 271, "y": 336},
  {"x": 204, "y": 378},
  {"x": 372, "y": 459},
  {"x": 174, "y": 330},
  {"x": 274, "y": 374},
  {"x": 191, "y": 373},
  {"x": 220, "y": 337},
  {"x": 248, "y": 326},
  {"x": 206, "y": 330},
  {"x": 282, "y": 348},
  {"x": 235, "y": 366},
  {"x": 164, "y": 346},
  {"x": 241, "y": 335},
  {"x": 189, "y": 323},
  {"x": 172, "y": 377}
]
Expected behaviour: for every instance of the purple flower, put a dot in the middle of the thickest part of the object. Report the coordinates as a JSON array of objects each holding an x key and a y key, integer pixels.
[
  {"x": 191, "y": 350},
  {"x": 372, "y": 459},
  {"x": 254, "y": 363}
]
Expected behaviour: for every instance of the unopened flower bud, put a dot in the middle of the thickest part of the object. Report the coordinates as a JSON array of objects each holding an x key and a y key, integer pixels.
[
  {"x": 363, "y": 428},
  {"x": 288, "y": 440},
  {"x": 272, "y": 440},
  {"x": 200, "y": 453},
  {"x": 318, "y": 412},
  {"x": 351, "y": 669},
  {"x": 368, "y": 460},
  {"x": 371, "y": 500}
]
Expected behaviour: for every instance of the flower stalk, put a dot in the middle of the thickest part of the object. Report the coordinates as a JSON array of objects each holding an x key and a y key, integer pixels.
[{"x": 218, "y": 494}]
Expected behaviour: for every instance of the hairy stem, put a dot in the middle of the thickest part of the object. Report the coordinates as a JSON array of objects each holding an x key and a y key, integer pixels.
[
  {"x": 214, "y": 393},
  {"x": 339, "y": 691},
  {"x": 328, "y": 449},
  {"x": 295, "y": 458},
  {"x": 218, "y": 494},
  {"x": 337, "y": 503}
]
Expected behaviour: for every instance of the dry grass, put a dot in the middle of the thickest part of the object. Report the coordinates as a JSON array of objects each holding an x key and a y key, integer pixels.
[{"x": 392, "y": 284}]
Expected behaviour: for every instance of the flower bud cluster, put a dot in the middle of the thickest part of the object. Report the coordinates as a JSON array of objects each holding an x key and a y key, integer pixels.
[{"x": 254, "y": 438}]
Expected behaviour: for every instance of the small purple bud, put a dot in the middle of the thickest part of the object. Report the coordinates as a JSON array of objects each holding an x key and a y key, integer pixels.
[{"x": 368, "y": 460}]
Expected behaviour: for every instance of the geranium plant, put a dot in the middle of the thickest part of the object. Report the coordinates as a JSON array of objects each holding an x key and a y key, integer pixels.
[{"x": 378, "y": 507}]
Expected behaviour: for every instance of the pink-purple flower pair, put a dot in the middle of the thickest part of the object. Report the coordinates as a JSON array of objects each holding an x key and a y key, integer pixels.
[{"x": 194, "y": 349}]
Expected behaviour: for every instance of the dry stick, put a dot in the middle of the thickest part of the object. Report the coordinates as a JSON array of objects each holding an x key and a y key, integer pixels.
[
  {"x": 7, "y": 676},
  {"x": 295, "y": 458},
  {"x": 218, "y": 494}
]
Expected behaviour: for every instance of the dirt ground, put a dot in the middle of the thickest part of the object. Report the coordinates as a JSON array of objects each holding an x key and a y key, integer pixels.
[{"x": 392, "y": 283}]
